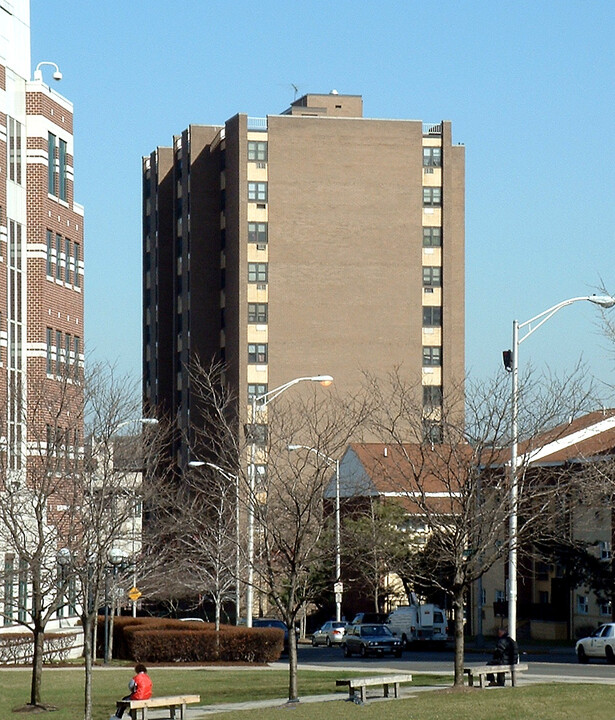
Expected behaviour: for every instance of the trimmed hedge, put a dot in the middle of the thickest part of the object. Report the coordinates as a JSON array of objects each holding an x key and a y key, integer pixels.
[{"x": 163, "y": 640}]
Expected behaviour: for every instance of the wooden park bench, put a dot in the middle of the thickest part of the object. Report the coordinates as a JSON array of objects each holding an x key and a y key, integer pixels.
[
  {"x": 386, "y": 681},
  {"x": 481, "y": 671},
  {"x": 173, "y": 702}
]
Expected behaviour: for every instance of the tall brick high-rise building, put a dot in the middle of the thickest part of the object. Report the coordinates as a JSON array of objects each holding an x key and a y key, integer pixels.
[
  {"x": 41, "y": 279},
  {"x": 316, "y": 241}
]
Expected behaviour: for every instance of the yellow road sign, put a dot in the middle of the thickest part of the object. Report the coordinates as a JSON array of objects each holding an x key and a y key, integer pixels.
[{"x": 134, "y": 594}]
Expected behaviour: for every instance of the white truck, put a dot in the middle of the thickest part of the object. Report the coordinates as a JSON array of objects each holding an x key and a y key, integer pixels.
[{"x": 418, "y": 623}]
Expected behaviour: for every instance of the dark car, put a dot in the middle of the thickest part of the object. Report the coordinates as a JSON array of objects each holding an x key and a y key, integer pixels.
[
  {"x": 273, "y": 623},
  {"x": 370, "y": 639}
]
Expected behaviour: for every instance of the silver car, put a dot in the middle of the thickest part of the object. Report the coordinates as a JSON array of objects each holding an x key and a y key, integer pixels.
[
  {"x": 600, "y": 644},
  {"x": 331, "y": 633}
]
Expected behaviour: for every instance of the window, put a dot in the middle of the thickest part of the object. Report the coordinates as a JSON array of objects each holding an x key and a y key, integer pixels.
[
  {"x": 51, "y": 163},
  {"x": 58, "y": 257},
  {"x": 257, "y": 272},
  {"x": 257, "y": 353},
  {"x": 15, "y": 140},
  {"x": 432, "y": 157},
  {"x": 605, "y": 608},
  {"x": 76, "y": 253},
  {"x": 66, "y": 260},
  {"x": 257, "y": 151},
  {"x": 432, "y": 397},
  {"x": 432, "y": 276},
  {"x": 432, "y": 197},
  {"x": 257, "y": 232},
  {"x": 49, "y": 351},
  {"x": 432, "y": 356},
  {"x": 76, "y": 352},
  {"x": 257, "y": 192},
  {"x": 432, "y": 237},
  {"x": 62, "y": 170},
  {"x": 582, "y": 604},
  {"x": 543, "y": 597},
  {"x": 605, "y": 550},
  {"x": 432, "y": 316},
  {"x": 256, "y": 390},
  {"x": 49, "y": 253},
  {"x": 58, "y": 353},
  {"x": 22, "y": 604},
  {"x": 257, "y": 313},
  {"x": 432, "y": 431}
]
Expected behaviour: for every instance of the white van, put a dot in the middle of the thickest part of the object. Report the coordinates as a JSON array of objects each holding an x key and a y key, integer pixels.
[{"x": 418, "y": 623}]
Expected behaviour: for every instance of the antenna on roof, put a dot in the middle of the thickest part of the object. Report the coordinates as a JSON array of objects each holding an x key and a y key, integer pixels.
[{"x": 296, "y": 89}]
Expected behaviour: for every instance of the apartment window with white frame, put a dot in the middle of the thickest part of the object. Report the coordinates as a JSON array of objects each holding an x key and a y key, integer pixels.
[
  {"x": 582, "y": 605},
  {"x": 67, "y": 260},
  {"x": 432, "y": 157},
  {"x": 257, "y": 353},
  {"x": 257, "y": 272},
  {"x": 15, "y": 131},
  {"x": 432, "y": 197},
  {"x": 51, "y": 163},
  {"x": 432, "y": 316},
  {"x": 606, "y": 609},
  {"x": 62, "y": 169},
  {"x": 257, "y": 151},
  {"x": 76, "y": 257},
  {"x": 257, "y": 232},
  {"x": 256, "y": 390},
  {"x": 58, "y": 257},
  {"x": 257, "y": 313},
  {"x": 49, "y": 255},
  {"x": 257, "y": 192},
  {"x": 432, "y": 356},
  {"x": 605, "y": 550},
  {"x": 432, "y": 237},
  {"x": 432, "y": 276}
]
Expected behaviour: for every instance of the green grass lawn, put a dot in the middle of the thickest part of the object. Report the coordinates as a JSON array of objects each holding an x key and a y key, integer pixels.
[{"x": 64, "y": 688}]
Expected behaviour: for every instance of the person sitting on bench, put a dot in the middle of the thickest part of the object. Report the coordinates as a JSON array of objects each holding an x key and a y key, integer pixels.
[
  {"x": 506, "y": 653},
  {"x": 140, "y": 689}
]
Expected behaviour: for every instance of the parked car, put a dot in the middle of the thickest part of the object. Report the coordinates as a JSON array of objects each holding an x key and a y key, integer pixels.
[
  {"x": 370, "y": 617},
  {"x": 370, "y": 639},
  {"x": 274, "y": 623},
  {"x": 331, "y": 633},
  {"x": 600, "y": 644}
]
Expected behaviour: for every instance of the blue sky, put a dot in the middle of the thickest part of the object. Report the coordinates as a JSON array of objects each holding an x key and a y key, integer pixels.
[{"x": 527, "y": 85}]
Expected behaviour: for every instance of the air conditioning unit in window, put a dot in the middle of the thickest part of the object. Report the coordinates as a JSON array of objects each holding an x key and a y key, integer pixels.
[
  {"x": 428, "y": 170},
  {"x": 261, "y": 165},
  {"x": 428, "y": 289},
  {"x": 261, "y": 246},
  {"x": 261, "y": 286}
]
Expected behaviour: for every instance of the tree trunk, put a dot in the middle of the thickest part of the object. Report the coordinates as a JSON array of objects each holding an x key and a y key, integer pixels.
[
  {"x": 87, "y": 653},
  {"x": 459, "y": 640},
  {"x": 37, "y": 665},
  {"x": 293, "y": 690}
]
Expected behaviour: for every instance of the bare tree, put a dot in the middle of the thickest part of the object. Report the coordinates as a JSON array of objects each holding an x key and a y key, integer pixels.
[
  {"x": 459, "y": 485},
  {"x": 116, "y": 479},
  {"x": 34, "y": 516}
]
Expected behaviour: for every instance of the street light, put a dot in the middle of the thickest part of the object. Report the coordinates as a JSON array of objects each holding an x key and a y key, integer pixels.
[
  {"x": 38, "y": 73},
  {"x": 262, "y": 401},
  {"x": 116, "y": 557},
  {"x": 134, "y": 593},
  {"x": 511, "y": 363},
  {"x": 338, "y": 587},
  {"x": 232, "y": 478}
]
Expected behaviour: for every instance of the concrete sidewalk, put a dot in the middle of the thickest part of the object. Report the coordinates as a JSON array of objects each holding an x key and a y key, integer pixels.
[{"x": 202, "y": 711}]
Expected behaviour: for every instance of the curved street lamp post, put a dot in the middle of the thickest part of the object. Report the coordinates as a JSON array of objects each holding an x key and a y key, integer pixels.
[
  {"x": 260, "y": 402},
  {"x": 511, "y": 363}
]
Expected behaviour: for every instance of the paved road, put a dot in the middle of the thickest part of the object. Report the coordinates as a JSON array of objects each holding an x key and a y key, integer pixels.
[{"x": 544, "y": 665}]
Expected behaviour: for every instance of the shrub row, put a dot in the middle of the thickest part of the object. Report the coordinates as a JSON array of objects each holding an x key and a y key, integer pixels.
[{"x": 162, "y": 640}]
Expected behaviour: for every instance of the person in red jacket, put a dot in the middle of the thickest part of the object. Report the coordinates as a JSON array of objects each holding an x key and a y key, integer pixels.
[{"x": 140, "y": 689}]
